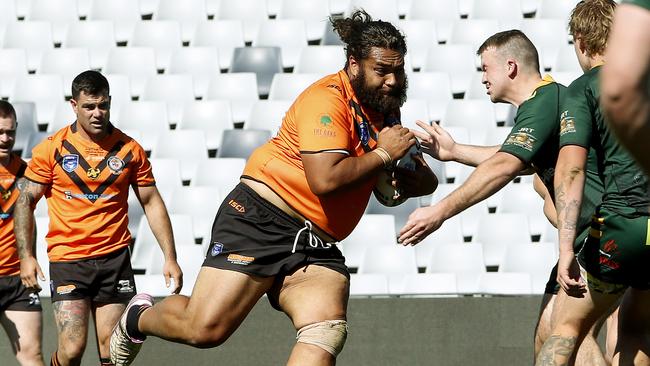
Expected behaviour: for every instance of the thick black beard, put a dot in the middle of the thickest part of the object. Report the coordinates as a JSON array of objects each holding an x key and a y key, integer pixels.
[{"x": 372, "y": 98}]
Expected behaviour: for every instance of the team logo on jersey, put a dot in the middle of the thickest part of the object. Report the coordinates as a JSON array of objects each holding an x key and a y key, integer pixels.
[
  {"x": 325, "y": 120},
  {"x": 5, "y": 194},
  {"x": 216, "y": 249},
  {"x": 521, "y": 139},
  {"x": 567, "y": 124},
  {"x": 115, "y": 164},
  {"x": 92, "y": 173},
  {"x": 124, "y": 286},
  {"x": 70, "y": 162}
]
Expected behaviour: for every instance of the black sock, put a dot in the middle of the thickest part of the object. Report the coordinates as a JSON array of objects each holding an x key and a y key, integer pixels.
[
  {"x": 105, "y": 362},
  {"x": 132, "y": 318}
]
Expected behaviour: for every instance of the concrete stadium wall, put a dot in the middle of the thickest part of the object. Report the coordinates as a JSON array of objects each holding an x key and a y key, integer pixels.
[{"x": 383, "y": 331}]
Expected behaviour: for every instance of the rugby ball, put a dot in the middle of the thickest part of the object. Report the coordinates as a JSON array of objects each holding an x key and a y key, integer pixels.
[{"x": 384, "y": 191}]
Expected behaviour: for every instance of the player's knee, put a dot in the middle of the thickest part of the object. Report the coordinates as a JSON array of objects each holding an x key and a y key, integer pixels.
[
  {"x": 202, "y": 337},
  {"x": 330, "y": 335},
  {"x": 29, "y": 355},
  {"x": 71, "y": 351}
]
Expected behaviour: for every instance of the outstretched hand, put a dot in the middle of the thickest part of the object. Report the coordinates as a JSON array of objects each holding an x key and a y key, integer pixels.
[
  {"x": 422, "y": 222},
  {"x": 436, "y": 141}
]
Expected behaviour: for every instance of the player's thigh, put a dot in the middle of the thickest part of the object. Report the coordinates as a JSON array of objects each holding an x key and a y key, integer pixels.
[
  {"x": 224, "y": 297},
  {"x": 71, "y": 318},
  {"x": 24, "y": 329},
  {"x": 313, "y": 294},
  {"x": 580, "y": 313},
  {"x": 634, "y": 314}
]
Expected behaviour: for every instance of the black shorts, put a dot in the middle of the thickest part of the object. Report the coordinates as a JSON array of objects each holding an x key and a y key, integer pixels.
[
  {"x": 15, "y": 296},
  {"x": 253, "y": 236},
  {"x": 107, "y": 279},
  {"x": 552, "y": 286}
]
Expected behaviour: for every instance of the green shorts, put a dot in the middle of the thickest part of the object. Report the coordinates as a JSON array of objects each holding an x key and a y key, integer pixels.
[{"x": 616, "y": 253}]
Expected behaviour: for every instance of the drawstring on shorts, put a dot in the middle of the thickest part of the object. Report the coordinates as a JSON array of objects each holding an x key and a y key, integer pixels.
[{"x": 314, "y": 240}]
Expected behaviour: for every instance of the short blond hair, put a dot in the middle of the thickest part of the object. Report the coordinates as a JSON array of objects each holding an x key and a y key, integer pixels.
[{"x": 591, "y": 20}]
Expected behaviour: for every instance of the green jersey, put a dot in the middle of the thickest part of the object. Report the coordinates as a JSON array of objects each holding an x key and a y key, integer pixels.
[
  {"x": 535, "y": 140},
  {"x": 583, "y": 124},
  {"x": 641, "y": 3}
]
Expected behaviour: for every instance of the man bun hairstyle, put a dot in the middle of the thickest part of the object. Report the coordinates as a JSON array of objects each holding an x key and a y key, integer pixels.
[
  {"x": 91, "y": 83},
  {"x": 360, "y": 33}
]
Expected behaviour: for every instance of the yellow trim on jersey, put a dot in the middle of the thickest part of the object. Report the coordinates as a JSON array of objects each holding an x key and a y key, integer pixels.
[
  {"x": 547, "y": 79},
  {"x": 647, "y": 233}
]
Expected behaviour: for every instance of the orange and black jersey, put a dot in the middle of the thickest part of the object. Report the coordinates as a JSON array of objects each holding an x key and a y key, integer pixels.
[
  {"x": 9, "y": 262},
  {"x": 325, "y": 118},
  {"x": 88, "y": 186}
]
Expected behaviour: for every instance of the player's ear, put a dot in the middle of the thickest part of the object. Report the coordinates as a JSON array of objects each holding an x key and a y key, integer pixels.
[
  {"x": 513, "y": 68},
  {"x": 353, "y": 66}
]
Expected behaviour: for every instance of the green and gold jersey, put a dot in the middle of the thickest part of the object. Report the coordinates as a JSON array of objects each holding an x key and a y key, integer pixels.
[
  {"x": 641, "y": 3},
  {"x": 583, "y": 124},
  {"x": 535, "y": 140}
]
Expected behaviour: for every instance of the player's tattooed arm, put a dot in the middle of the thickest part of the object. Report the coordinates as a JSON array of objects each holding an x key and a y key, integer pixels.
[
  {"x": 568, "y": 210},
  {"x": 24, "y": 223},
  {"x": 556, "y": 351}
]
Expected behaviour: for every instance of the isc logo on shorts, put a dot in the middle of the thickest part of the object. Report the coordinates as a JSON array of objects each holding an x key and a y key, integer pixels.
[{"x": 237, "y": 206}]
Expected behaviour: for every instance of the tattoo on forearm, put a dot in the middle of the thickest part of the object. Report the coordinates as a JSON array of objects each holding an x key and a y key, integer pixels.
[
  {"x": 557, "y": 350},
  {"x": 24, "y": 216},
  {"x": 567, "y": 212}
]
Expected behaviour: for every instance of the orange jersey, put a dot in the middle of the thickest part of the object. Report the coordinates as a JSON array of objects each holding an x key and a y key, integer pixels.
[
  {"x": 88, "y": 186},
  {"x": 9, "y": 262},
  {"x": 326, "y": 117}
]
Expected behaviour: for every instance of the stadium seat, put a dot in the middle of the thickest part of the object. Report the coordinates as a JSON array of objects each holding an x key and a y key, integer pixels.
[
  {"x": 42, "y": 227},
  {"x": 289, "y": 86},
  {"x": 443, "y": 12},
  {"x": 199, "y": 202},
  {"x": 548, "y": 36},
  {"x": 451, "y": 231},
  {"x": 241, "y": 143},
  {"x": 267, "y": 115},
  {"x": 200, "y": 62},
  {"x": 463, "y": 259},
  {"x": 390, "y": 260},
  {"x": 522, "y": 198},
  {"x": 210, "y": 116},
  {"x": 475, "y": 115},
  {"x": 250, "y": 12},
  {"x": 497, "y": 135},
  {"x": 239, "y": 88},
  {"x": 549, "y": 9},
  {"x": 154, "y": 285},
  {"x": 27, "y": 124},
  {"x": 146, "y": 245},
  {"x": 458, "y": 61},
  {"x": 60, "y": 13},
  {"x": 63, "y": 116},
  {"x": 420, "y": 35},
  {"x": 432, "y": 86},
  {"x": 190, "y": 259},
  {"x": 536, "y": 259},
  {"x": 423, "y": 284},
  {"x": 97, "y": 36},
  {"x": 331, "y": 38},
  {"x": 566, "y": 77},
  {"x": 120, "y": 89},
  {"x": 265, "y": 62},
  {"x": 385, "y": 10},
  {"x": 473, "y": 32},
  {"x": 34, "y": 139},
  {"x": 167, "y": 173},
  {"x": 502, "y": 10},
  {"x": 222, "y": 173},
  {"x": 498, "y": 231},
  {"x": 8, "y": 13},
  {"x": 43, "y": 89},
  {"x": 13, "y": 65},
  {"x": 288, "y": 34},
  {"x": 372, "y": 284},
  {"x": 186, "y": 145},
  {"x": 66, "y": 62},
  {"x": 164, "y": 36},
  {"x": 187, "y": 13},
  {"x": 125, "y": 14},
  {"x": 32, "y": 36},
  {"x": 225, "y": 35},
  {"x": 413, "y": 110},
  {"x": 373, "y": 231},
  {"x": 175, "y": 90},
  {"x": 314, "y": 13},
  {"x": 320, "y": 60},
  {"x": 148, "y": 117},
  {"x": 566, "y": 60},
  {"x": 41, "y": 211},
  {"x": 550, "y": 233},
  {"x": 471, "y": 217},
  {"x": 505, "y": 283},
  {"x": 439, "y": 169},
  {"x": 138, "y": 63},
  {"x": 400, "y": 212}
]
